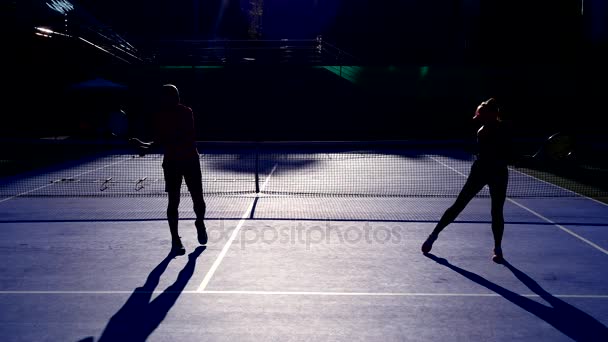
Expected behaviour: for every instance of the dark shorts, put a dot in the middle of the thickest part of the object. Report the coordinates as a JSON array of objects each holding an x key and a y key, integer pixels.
[
  {"x": 494, "y": 175},
  {"x": 190, "y": 170}
]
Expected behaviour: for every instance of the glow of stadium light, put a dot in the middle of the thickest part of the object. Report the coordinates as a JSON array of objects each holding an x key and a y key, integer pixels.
[
  {"x": 60, "y": 6},
  {"x": 48, "y": 32},
  {"x": 44, "y": 29}
]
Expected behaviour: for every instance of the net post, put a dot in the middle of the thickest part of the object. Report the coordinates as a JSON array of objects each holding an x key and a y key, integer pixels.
[{"x": 257, "y": 169}]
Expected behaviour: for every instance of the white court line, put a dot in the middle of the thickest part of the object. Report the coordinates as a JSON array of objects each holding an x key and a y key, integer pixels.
[
  {"x": 391, "y": 294},
  {"x": 557, "y": 186},
  {"x": 53, "y": 183},
  {"x": 300, "y": 293},
  {"x": 538, "y": 179},
  {"x": 536, "y": 214},
  {"x": 235, "y": 233},
  {"x": 25, "y": 193},
  {"x": 268, "y": 178},
  {"x": 559, "y": 226}
]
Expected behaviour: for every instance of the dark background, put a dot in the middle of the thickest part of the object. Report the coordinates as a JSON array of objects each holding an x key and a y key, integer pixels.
[{"x": 426, "y": 65}]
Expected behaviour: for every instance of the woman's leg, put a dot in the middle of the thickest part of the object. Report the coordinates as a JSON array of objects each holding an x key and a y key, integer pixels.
[
  {"x": 474, "y": 183},
  {"x": 173, "y": 184},
  {"x": 173, "y": 213},
  {"x": 194, "y": 181},
  {"x": 498, "y": 194}
]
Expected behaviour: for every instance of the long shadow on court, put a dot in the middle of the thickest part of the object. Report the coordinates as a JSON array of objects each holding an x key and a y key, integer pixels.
[
  {"x": 139, "y": 316},
  {"x": 564, "y": 317}
]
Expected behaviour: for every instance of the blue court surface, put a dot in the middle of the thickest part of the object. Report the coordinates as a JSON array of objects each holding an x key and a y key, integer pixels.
[{"x": 298, "y": 264}]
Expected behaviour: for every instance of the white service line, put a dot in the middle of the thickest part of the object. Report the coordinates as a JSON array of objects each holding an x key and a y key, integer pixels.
[
  {"x": 389, "y": 294},
  {"x": 52, "y": 183},
  {"x": 535, "y": 213},
  {"x": 300, "y": 293},
  {"x": 235, "y": 233}
]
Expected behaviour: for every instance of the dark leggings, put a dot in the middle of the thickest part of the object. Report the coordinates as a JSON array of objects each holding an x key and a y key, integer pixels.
[
  {"x": 174, "y": 172},
  {"x": 496, "y": 177}
]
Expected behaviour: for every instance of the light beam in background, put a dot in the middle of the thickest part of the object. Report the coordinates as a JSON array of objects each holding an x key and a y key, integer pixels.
[
  {"x": 60, "y": 6},
  {"x": 220, "y": 16}
]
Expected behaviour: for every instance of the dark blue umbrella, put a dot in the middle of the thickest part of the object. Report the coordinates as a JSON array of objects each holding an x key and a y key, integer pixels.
[
  {"x": 98, "y": 84},
  {"x": 98, "y": 92}
]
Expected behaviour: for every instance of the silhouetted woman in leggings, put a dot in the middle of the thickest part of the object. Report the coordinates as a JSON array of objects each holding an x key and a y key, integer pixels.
[{"x": 490, "y": 168}]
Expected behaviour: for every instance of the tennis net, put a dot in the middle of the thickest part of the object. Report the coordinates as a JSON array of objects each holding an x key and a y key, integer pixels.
[{"x": 382, "y": 169}]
